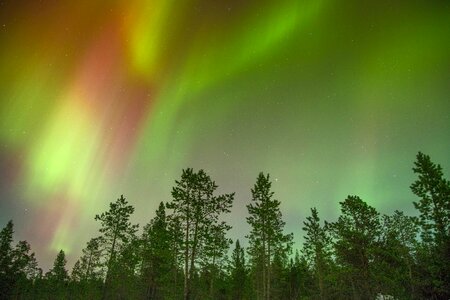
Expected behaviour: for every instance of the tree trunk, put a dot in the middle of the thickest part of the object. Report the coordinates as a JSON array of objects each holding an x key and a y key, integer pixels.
[
  {"x": 193, "y": 254},
  {"x": 88, "y": 266},
  {"x": 268, "y": 269},
  {"x": 109, "y": 265},
  {"x": 186, "y": 263}
]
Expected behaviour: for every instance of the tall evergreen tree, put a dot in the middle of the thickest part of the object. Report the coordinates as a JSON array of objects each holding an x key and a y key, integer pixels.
[
  {"x": 89, "y": 265},
  {"x": 6, "y": 256},
  {"x": 58, "y": 277},
  {"x": 58, "y": 272},
  {"x": 300, "y": 279},
  {"x": 175, "y": 251},
  {"x": 434, "y": 219},
  {"x": 356, "y": 235},
  {"x": 116, "y": 231},
  {"x": 266, "y": 236},
  {"x": 215, "y": 255},
  {"x": 157, "y": 256},
  {"x": 197, "y": 210},
  {"x": 395, "y": 259},
  {"x": 238, "y": 273},
  {"x": 124, "y": 282},
  {"x": 317, "y": 250}
]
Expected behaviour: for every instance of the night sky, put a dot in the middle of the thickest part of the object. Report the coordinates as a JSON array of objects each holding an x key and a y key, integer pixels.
[{"x": 103, "y": 98}]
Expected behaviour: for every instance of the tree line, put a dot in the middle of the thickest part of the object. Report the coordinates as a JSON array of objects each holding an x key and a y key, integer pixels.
[{"x": 184, "y": 251}]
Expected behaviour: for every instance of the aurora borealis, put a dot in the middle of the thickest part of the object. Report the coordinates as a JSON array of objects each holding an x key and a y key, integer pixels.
[{"x": 103, "y": 98}]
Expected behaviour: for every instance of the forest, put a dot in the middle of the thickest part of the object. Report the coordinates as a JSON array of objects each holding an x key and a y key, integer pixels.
[{"x": 184, "y": 251}]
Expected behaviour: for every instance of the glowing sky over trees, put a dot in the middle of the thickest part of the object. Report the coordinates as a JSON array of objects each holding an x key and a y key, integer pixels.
[{"x": 103, "y": 98}]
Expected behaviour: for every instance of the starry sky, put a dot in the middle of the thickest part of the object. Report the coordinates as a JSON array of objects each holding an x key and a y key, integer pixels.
[{"x": 103, "y": 98}]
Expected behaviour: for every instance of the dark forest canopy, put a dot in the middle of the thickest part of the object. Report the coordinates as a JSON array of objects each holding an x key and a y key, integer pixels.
[{"x": 184, "y": 251}]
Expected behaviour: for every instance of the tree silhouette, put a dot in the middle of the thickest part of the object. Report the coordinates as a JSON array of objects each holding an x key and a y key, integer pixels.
[
  {"x": 6, "y": 256},
  {"x": 355, "y": 240},
  {"x": 157, "y": 257},
  {"x": 238, "y": 276},
  {"x": 434, "y": 220},
  {"x": 183, "y": 250},
  {"x": 116, "y": 231},
  {"x": 266, "y": 236},
  {"x": 317, "y": 249},
  {"x": 197, "y": 210}
]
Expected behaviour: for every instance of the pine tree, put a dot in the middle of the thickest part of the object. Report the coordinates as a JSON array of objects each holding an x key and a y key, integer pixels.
[
  {"x": 266, "y": 236},
  {"x": 116, "y": 231},
  {"x": 175, "y": 252},
  {"x": 395, "y": 260},
  {"x": 157, "y": 256},
  {"x": 58, "y": 277},
  {"x": 238, "y": 273},
  {"x": 124, "y": 283},
  {"x": 197, "y": 210},
  {"x": 317, "y": 250},
  {"x": 434, "y": 219},
  {"x": 215, "y": 255},
  {"x": 6, "y": 257},
  {"x": 300, "y": 279},
  {"x": 58, "y": 272},
  {"x": 356, "y": 235},
  {"x": 88, "y": 271},
  {"x": 89, "y": 266}
]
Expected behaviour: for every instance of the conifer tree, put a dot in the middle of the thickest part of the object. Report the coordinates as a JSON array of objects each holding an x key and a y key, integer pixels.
[
  {"x": 89, "y": 266},
  {"x": 317, "y": 249},
  {"x": 6, "y": 256},
  {"x": 57, "y": 277},
  {"x": 395, "y": 260},
  {"x": 157, "y": 256},
  {"x": 116, "y": 230},
  {"x": 197, "y": 210},
  {"x": 58, "y": 272},
  {"x": 266, "y": 236},
  {"x": 434, "y": 220},
  {"x": 238, "y": 272},
  {"x": 356, "y": 235},
  {"x": 215, "y": 255}
]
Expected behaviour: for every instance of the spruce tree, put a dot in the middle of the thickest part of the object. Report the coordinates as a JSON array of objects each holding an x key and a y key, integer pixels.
[
  {"x": 157, "y": 256},
  {"x": 266, "y": 236},
  {"x": 317, "y": 250},
  {"x": 58, "y": 272},
  {"x": 238, "y": 272},
  {"x": 58, "y": 277}
]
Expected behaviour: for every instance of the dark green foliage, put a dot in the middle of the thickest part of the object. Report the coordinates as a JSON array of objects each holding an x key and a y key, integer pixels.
[
  {"x": 183, "y": 251},
  {"x": 6, "y": 268},
  {"x": 355, "y": 235},
  {"x": 318, "y": 252},
  {"x": 266, "y": 237},
  {"x": 18, "y": 266},
  {"x": 58, "y": 272},
  {"x": 57, "y": 278},
  {"x": 197, "y": 211},
  {"x": 300, "y": 279},
  {"x": 117, "y": 231},
  {"x": 394, "y": 262},
  {"x": 434, "y": 220},
  {"x": 88, "y": 272},
  {"x": 238, "y": 273},
  {"x": 158, "y": 257}
]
